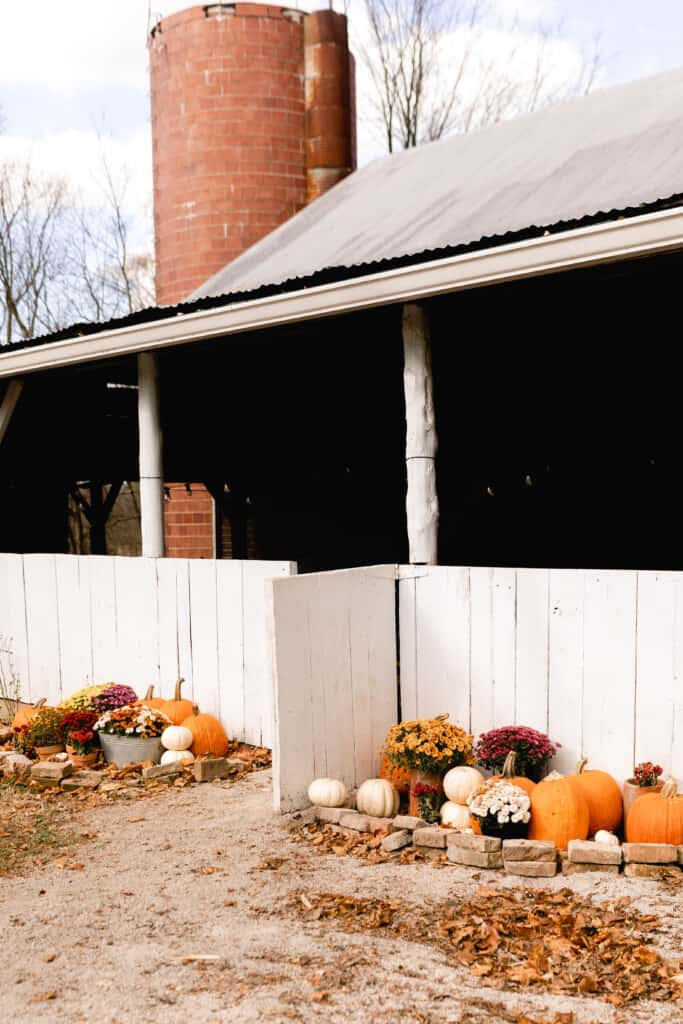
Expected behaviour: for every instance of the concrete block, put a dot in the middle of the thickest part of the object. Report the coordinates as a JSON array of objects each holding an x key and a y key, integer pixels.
[
  {"x": 475, "y": 858},
  {"x": 467, "y": 841},
  {"x": 571, "y": 868},
  {"x": 529, "y": 850},
  {"x": 161, "y": 771},
  {"x": 586, "y": 852},
  {"x": 432, "y": 835},
  {"x": 654, "y": 871},
  {"x": 531, "y": 868},
  {"x": 82, "y": 780},
  {"x": 214, "y": 768},
  {"x": 51, "y": 771},
  {"x": 397, "y": 840},
  {"x": 330, "y": 815},
  {"x": 650, "y": 853},
  {"x": 402, "y": 821}
]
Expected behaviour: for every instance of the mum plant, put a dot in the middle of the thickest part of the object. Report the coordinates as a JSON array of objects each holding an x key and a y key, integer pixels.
[
  {"x": 76, "y": 730},
  {"x": 533, "y": 750},
  {"x": 498, "y": 805},
  {"x": 43, "y": 729},
  {"x": 138, "y": 721},
  {"x": 429, "y": 800},
  {"x": 116, "y": 695},
  {"x": 646, "y": 773},
  {"x": 430, "y": 745}
]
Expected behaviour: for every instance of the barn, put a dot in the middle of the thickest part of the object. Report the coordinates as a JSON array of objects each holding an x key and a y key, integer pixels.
[{"x": 439, "y": 368}]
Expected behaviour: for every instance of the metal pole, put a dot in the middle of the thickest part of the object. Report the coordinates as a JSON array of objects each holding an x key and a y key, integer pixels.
[{"x": 151, "y": 460}]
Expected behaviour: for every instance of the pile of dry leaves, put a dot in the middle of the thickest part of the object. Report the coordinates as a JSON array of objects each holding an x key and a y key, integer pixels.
[
  {"x": 325, "y": 839},
  {"x": 559, "y": 942}
]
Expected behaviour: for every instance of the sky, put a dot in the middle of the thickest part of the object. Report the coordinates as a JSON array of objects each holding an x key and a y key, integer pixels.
[{"x": 73, "y": 75}]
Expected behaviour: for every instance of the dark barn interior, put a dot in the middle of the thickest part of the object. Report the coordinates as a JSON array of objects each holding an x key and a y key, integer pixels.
[{"x": 556, "y": 412}]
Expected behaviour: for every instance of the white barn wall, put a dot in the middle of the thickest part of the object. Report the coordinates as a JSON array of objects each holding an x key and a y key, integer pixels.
[
  {"x": 593, "y": 658},
  {"x": 74, "y": 620}
]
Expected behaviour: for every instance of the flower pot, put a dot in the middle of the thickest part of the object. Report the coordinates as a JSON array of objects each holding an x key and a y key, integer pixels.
[
  {"x": 510, "y": 830},
  {"x": 45, "y": 753},
  {"x": 429, "y": 780},
  {"x": 123, "y": 750},
  {"x": 632, "y": 791},
  {"x": 82, "y": 760}
]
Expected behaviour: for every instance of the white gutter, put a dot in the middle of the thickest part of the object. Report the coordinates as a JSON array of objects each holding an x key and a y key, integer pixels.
[{"x": 602, "y": 243}]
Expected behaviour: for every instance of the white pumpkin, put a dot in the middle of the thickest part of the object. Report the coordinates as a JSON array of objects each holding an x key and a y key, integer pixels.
[
  {"x": 378, "y": 797},
  {"x": 460, "y": 783},
  {"x": 327, "y": 793},
  {"x": 455, "y": 815},
  {"x": 176, "y": 737},
  {"x": 177, "y": 757},
  {"x": 605, "y": 837}
]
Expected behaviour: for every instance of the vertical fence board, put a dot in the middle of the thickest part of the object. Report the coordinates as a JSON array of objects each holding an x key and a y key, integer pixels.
[
  {"x": 73, "y": 613},
  {"x": 103, "y": 612},
  {"x": 137, "y": 621},
  {"x": 13, "y": 622},
  {"x": 407, "y": 611},
  {"x": 565, "y": 683},
  {"x": 230, "y": 625},
  {"x": 42, "y": 627},
  {"x": 481, "y": 651},
  {"x": 532, "y": 648},
  {"x": 656, "y": 668},
  {"x": 203, "y": 624},
  {"x": 609, "y": 671},
  {"x": 167, "y": 618},
  {"x": 504, "y": 639}
]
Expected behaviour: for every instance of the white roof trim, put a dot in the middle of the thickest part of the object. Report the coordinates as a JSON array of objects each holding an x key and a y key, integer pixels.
[{"x": 603, "y": 243}]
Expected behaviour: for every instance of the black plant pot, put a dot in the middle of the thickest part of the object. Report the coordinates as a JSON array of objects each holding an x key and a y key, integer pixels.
[{"x": 512, "y": 830}]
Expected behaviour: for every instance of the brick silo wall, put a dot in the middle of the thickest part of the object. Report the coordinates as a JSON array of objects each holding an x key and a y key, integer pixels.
[{"x": 228, "y": 134}]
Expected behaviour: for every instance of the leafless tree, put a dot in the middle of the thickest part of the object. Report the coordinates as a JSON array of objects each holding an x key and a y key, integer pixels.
[{"x": 443, "y": 66}]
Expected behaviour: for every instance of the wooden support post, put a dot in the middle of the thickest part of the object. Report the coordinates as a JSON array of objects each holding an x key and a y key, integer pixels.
[
  {"x": 151, "y": 464},
  {"x": 9, "y": 402},
  {"x": 422, "y": 503}
]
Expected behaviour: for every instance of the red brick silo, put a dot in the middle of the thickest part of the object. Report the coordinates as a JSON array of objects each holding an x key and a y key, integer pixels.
[{"x": 230, "y": 132}]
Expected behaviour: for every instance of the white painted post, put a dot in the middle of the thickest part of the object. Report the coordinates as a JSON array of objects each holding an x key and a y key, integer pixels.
[
  {"x": 9, "y": 402},
  {"x": 422, "y": 502},
  {"x": 151, "y": 465}
]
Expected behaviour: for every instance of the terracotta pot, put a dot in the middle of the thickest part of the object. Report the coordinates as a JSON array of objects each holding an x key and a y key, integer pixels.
[
  {"x": 429, "y": 780},
  {"x": 632, "y": 791},
  {"x": 82, "y": 760},
  {"x": 45, "y": 753}
]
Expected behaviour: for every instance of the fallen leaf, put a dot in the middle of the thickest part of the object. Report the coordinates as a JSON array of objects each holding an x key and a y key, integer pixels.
[{"x": 43, "y": 997}]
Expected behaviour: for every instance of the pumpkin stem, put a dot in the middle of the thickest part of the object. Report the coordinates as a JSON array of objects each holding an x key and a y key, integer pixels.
[
  {"x": 581, "y": 765},
  {"x": 177, "y": 689},
  {"x": 509, "y": 765},
  {"x": 39, "y": 703},
  {"x": 442, "y": 717},
  {"x": 195, "y": 710},
  {"x": 669, "y": 789},
  {"x": 149, "y": 694}
]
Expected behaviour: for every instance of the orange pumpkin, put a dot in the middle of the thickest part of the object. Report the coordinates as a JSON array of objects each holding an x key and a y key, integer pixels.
[
  {"x": 150, "y": 701},
  {"x": 209, "y": 736},
  {"x": 657, "y": 817},
  {"x": 559, "y": 811},
  {"x": 177, "y": 709},
  {"x": 603, "y": 797},
  {"x": 399, "y": 777},
  {"x": 509, "y": 775},
  {"x": 25, "y": 715}
]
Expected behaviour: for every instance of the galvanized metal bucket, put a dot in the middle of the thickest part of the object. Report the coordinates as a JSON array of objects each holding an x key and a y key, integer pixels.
[{"x": 123, "y": 750}]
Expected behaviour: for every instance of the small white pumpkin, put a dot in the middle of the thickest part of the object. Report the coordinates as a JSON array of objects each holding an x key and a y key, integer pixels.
[
  {"x": 455, "y": 815},
  {"x": 605, "y": 837},
  {"x": 378, "y": 798},
  {"x": 177, "y": 757},
  {"x": 460, "y": 783},
  {"x": 176, "y": 737},
  {"x": 327, "y": 793}
]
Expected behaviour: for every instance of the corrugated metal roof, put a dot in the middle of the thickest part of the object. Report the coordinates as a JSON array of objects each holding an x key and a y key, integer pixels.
[{"x": 617, "y": 149}]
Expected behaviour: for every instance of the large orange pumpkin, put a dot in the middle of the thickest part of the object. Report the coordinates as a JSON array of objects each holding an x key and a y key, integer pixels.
[
  {"x": 657, "y": 817},
  {"x": 399, "y": 777},
  {"x": 208, "y": 735},
  {"x": 150, "y": 701},
  {"x": 177, "y": 709},
  {"x": 25, "y": 715},
  {"x": 559, "y": 811},
  {"x": 508, "y": 775},
  {"x": 603, "y": 797}
]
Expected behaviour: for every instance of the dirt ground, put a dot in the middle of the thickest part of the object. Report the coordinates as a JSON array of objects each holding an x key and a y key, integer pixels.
[{"x": 108, "y": 934}]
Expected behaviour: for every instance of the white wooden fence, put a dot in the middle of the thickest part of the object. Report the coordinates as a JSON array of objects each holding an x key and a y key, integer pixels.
[
  {"x": 336, "y": 694},
  {"x": 75, "y": 620},
  {"x": 593, "y": 658}
]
